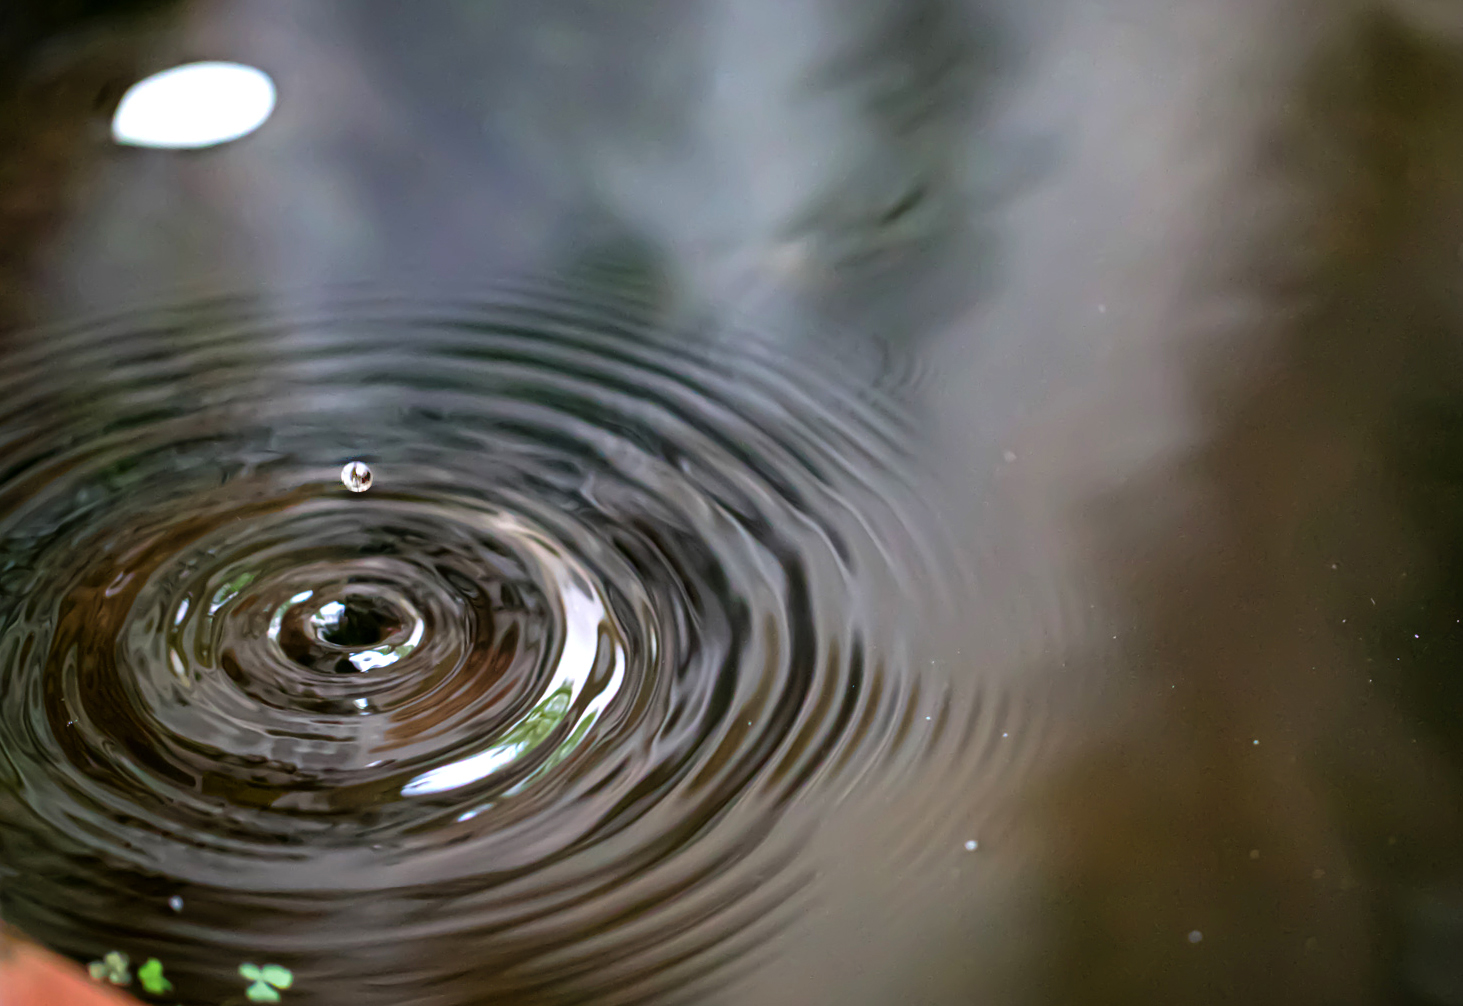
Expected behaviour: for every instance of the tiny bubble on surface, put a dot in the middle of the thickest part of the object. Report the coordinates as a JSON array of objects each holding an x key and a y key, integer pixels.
[
  {"x": 356, "y": 476},
  {"x": 175, "y": 903},
  {"x": 1195, "y": 936},
  {"x": 971, "y": 845}
]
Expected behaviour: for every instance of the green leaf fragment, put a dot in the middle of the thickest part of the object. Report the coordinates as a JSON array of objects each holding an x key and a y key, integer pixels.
[
  {"x": 259, "y": 992},
  {"x": 265, "y": 980},
  {"x": 279, "y": 977},
  {"x": 151, "y": 976},
  {"x": 113, "y": 967}
]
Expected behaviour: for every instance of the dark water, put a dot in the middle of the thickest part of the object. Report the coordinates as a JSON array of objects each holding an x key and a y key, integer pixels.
[
  {"x": 934, "y": 503},
  {"x": 615, "y": 599}
]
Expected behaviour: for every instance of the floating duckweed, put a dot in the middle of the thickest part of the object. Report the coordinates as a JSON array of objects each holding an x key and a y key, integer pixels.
[
  {"x": 151, "y": 976},
  {"x": 266, "y": 980},
  {"x": 114, "y": 967}
]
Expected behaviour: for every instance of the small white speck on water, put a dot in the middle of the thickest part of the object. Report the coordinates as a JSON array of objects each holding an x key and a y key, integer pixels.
[
  {"x": 1196, "y": 936},
  {"x": 1009, "y": 456},
  {"x": 1102, "y": 309},
  {"x": 971, "y": 845},
  {"x": 175, "y": 903},
  {"x": 1257, "y": 742},
  {"x": 356, "y": 476}
]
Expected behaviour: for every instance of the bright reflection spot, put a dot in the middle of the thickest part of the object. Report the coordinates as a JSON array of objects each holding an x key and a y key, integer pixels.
[
  {"x": 229, "y": 591},
  {"x": 328, "y": 615},
  {"x": 369, "y": 660},
  {"x": 583, "y": 616},
  {"x": 194, "y": 105}
]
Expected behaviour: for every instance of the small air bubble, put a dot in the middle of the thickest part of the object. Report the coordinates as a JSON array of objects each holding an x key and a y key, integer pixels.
[
  {"x": 175, "y": 903},
  {"x": 971, "y": 845},
  {"x": 1196, "y": 936},
  {"x": 356, "y": 476}
]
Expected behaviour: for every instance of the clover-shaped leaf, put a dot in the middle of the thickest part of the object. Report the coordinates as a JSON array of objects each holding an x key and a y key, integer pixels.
[
  {"x": 151, "y": 976},
  {"x": 265, "y": 980},
  {"x": 114, "y": 967}
]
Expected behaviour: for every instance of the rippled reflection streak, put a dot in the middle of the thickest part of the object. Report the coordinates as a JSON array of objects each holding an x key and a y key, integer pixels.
[{"x": 536, "y": 698}]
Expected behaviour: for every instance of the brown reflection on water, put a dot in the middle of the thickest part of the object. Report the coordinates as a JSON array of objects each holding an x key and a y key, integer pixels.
[
  {"x": 63, "y": 68},
  {"x": 1278, "y": 791}
]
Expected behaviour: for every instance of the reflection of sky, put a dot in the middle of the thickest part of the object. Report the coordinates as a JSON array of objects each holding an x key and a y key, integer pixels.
[
  {"x": 194, "y": 105},
  {"x": 583, "y": 615}
]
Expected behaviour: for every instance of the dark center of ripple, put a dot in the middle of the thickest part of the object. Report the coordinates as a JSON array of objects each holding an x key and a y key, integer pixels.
[
  {"x": 347, "y": 632},
  {"x": 356, "y": 622}
]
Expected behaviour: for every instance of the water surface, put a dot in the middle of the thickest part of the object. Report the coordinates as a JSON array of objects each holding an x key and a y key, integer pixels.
[{"x": 938, "y": 503}]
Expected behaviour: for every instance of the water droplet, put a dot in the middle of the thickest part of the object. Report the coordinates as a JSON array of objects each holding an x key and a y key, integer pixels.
[
  {"x": 175, "y": 903},
  {"x": 356, "y": 476},
  {"x": 971, "y": 845}
]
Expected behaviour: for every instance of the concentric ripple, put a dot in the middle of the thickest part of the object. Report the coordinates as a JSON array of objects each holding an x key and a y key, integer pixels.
[{"x": 519, "y": 721}]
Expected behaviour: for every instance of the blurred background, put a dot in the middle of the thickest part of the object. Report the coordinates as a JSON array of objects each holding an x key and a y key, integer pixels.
[{"x": 1041, "y": 423}]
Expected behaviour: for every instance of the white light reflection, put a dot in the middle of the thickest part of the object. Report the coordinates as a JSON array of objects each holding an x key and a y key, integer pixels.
[
  {"x": 583, "y": 616},
  {"x": 369, "y": 660},
  {"x": 194, "y": 105}
]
